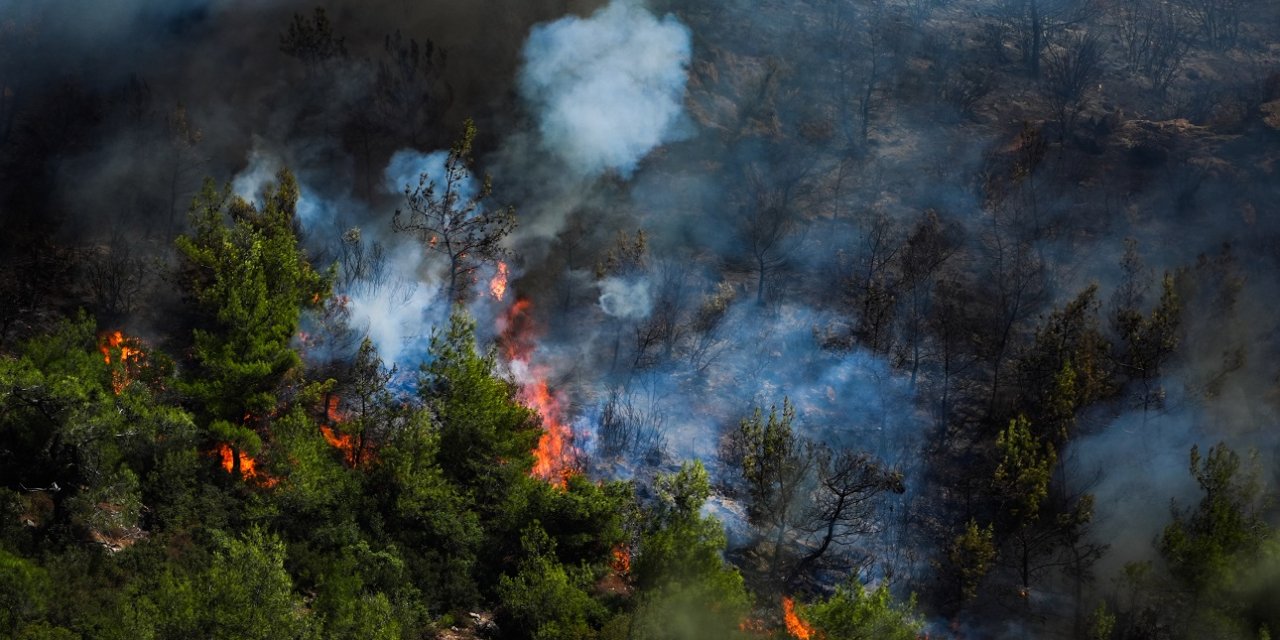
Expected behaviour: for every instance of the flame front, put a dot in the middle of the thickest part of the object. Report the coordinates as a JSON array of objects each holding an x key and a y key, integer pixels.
[
  {"x": 129, "y": 360},
  {"x": 248, "y": 466},
  {"x": 498, "y": 285},
  {"x": 795, "y": 626},
  {"x": 554, "y": 456}
]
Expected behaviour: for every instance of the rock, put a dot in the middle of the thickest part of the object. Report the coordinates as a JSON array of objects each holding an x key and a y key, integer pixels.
[{"x": 1271, "y": 114}]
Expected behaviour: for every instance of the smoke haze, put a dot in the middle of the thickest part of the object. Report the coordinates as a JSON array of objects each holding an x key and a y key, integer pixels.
[{"x": 868, "y": 208}]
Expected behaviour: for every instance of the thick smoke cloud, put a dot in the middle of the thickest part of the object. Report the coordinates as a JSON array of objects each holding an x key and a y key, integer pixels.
[{"x": 607, "y": 89}]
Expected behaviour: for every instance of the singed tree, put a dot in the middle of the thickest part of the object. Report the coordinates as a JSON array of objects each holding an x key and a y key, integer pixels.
[
  {"x": 449, "y": 216},
  {"x": 249, "y": 282}
]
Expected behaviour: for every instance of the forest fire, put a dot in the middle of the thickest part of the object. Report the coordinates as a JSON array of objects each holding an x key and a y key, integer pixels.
[
  {"x": 344, "y": 442},
  {"x": 795, "y": 626},
  {"x": 554, "y": 455},
  {"x": 621, "y": 563},
  {"x": 498, "y": 285},
  {"x": 129, "y": 358},
  {"x": 248, "y": 466}
]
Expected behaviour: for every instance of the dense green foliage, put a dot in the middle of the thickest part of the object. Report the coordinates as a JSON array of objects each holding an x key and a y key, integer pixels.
[{"x": 140, "y": 502}]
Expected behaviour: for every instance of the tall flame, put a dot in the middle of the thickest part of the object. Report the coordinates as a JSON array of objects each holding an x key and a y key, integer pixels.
[
  {"x": 795, "y": 626},
  {"x": 554, "y": 456},
  {"x": 498, "y": 285},
  {"x": 129, "y": 360},
  {"x": 248, "y": 466}
]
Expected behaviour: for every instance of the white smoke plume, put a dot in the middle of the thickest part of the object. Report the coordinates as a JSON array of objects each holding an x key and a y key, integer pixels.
[
  {"x": 263, "y": 164},
  {"x": 609, "y": 88},
  {"x": 626, "y": 298},
  {"x": 395, "y": 313}
]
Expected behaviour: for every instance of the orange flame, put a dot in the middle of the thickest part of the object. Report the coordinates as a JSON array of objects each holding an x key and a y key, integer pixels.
[
  {"x": 551, "y": 458},
  {"x": 554, "y": 455},
  {"x": 498, "y": 285},
  {"x": 795, "y": 626},
  {"x": 130, "y": 358},
  {"x": 248, "y": 466},
  {"x": 344, "y": 442},
  {"x": 621, "y": 563}
]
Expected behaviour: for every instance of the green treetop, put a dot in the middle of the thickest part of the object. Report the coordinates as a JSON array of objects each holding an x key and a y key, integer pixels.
[{"x": 250, "y": 280}]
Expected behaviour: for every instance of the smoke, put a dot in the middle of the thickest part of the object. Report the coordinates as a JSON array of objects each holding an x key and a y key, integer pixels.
[
  {"x": 1218, "y": 389},
  {"x": 607, "y": 89},
  {"x": 1134, "y": 467},
  {"x": 407, "y": 168},
  {"x": 765, "y": 107},
  {"x": 260, "y": 171},
  {"x": 396, "y": 314},
  {"x": 626, "y": 298}
]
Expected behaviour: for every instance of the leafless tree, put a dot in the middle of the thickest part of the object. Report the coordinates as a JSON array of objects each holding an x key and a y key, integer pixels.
[
  {"x": 410, "y": 93},
  {"x": 1036, "y": 24},
  {"x": 313, "y": 42},
  {"x": 1218, "y": 20},
  {"x": 632, "y": 424},
  {"x": 116, "y": 277},
  {"x": 872, "y": 280},
  {"x": 922, "y": 260},
  {"x": 184, "y": 160},
  {"x": 845, "y": 502},
  {"x": 768, "y": 221},
  {"x": 1072, "y": 69},
  {"x": 454, "y": 223}
]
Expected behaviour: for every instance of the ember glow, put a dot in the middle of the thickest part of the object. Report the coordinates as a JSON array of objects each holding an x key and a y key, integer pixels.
[
  {"x": 795, "y": 626},
  {"x": 344, "y": 442},
  {"x": 248, "y": 466},
  {"x": 128, "y": 357},
  {"x": 621, "y": 563},
  {"x": 498, "y": 285},
  {"x": 554, "y": 456}
]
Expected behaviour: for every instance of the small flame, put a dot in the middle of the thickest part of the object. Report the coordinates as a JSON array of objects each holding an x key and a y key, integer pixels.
[
  {"x": 621, "y": 563},
  {"x": 344, "y": 442},
  {"x": 248, "y": 466},
  {"x": 130, "y": 358},
  {"x": 554, "y": 455},
  {"x": 753, "y": 625},
  {"x": 795, "y": 626},
  {"x": 498, "y": 285}
]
